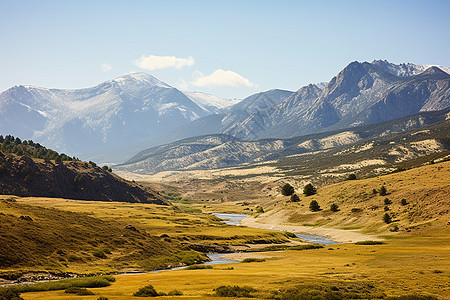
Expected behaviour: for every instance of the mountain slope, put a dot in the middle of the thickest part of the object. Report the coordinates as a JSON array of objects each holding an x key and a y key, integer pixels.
[
  {"x": 226, "y": 119},
  {"x": 64, "y": 177},
  {"x": 123, "y": 111},
  {"x": 362, "y": 93},
  {"x": 219, "y": 151},
  {"x": 210, "y": 103}
]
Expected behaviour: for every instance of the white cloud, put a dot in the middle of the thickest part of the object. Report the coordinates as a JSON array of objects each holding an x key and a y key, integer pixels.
[
  {"x": 105, "y": 67},
  {"x": 221, "y": 78},
  {"x": 153, "y": 62}
]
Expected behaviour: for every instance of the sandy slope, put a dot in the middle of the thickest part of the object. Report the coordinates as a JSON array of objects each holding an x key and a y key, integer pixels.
[{"x": 338, "y": 235}]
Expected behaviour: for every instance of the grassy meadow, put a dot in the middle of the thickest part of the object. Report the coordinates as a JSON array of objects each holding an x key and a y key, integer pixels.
[
  {"x": 401, "y": 266},
  {"x": 414, "y": 259}
]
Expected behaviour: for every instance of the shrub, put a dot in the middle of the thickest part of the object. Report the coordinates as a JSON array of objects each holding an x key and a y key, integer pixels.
[
  {"x": 234, "y": 291},
  {"x": 387, "y": 218},
  {"x": 351, "y": 177},
  {"x": 309, "y": 190},
  {"x": 102, "y": 298},
  {"x": 382, "y": 191},
  {"x": 374, "y": 191},
  {"x": 287, "y": 189},
  {"x": 295, "y": 198},
  {"x": 8, "y": 294},
  {"x": 369, "y": 243},
  {"x": 146, "y": 291},
  {"x": 3, "y": 168},
  {"x": 174, "y": 293},
  {"x": 259, "y": 209},
  {"x": 394, "y": 228},
  {"x": 386, "y": 208},
  {"x": 99, "y": 254},
  {"x": 249, "y": 260},
  {"x": 387, "y": 201},
  {"x": 334, "y": 207},
  {"x": 403, "y": 202},
  {"x": 289, "y": 234},
  {"x": 79, "y": 291},
  {"x": 314, "y": 206}
]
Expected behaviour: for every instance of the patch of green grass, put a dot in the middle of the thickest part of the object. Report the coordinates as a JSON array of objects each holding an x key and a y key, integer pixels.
[
  {"x": 198, "y": 267},
  {"x": 306, "y": 247},
  {"x": 234, "y": 291},
  {"x": 85, "y": 282},
  {"x": 412, "y": 297},
  {"x": 249, "y": 260}
]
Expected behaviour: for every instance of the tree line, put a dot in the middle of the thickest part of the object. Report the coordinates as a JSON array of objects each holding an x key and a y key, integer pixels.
[{"x": 11, "y": 144}]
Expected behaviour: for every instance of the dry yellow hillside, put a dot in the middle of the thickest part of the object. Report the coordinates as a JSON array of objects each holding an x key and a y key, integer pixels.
[{"x": 425, "y": 190}]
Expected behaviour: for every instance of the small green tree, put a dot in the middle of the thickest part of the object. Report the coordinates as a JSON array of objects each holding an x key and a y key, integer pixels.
[
  {"x": 403, "y": 202},
  {"x": 334, "y": 207},
  {"x": 287, "y": 189},
  {"x": 295, "y": 198},
  {"x": 309, "y": 190},
  {"x": 351, "y": 177},
  {"x": 314, "y": 206},
  {"x": 387, "y": 218},
  {"x": 259, "y": 209},
  {"x": 387, "y": 201},
  {"x": 382, "y": 191}
]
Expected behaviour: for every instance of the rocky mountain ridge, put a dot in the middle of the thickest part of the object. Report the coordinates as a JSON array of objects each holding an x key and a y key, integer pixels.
[{"x": 221, "y": 151}]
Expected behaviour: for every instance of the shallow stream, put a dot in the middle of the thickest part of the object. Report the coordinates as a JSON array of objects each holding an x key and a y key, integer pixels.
[{"x": 234, "y": 219}]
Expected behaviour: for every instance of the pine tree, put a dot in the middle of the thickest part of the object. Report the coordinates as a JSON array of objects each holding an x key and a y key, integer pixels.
[
  {"x": 387, "y": 218},
  {"x": 295, "y": 198},
  {"x": 287, "y": 189},
  {"x": 309, "y": 190},
  {"x": 314, "y": 206},
  {"x": 334, "y": 207}
]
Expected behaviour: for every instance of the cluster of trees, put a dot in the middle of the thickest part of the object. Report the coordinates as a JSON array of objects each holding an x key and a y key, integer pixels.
[
  {"x": 288, "y": 190},
  {"x": 11, "y": 144}
]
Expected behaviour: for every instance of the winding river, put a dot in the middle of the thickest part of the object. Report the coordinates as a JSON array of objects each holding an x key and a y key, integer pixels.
[{"x": 234, "y": 219}]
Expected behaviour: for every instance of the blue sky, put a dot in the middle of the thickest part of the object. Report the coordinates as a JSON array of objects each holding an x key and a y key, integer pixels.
[{"x": 227, "y": 48}]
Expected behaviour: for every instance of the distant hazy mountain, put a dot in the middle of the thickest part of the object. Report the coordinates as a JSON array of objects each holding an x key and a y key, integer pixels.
[
  {"x": 210, "y": 103},
  {"x": 220, "y": 151},
  {"x": 124, "y": 111},
  {"x": 227, "y": 119}
]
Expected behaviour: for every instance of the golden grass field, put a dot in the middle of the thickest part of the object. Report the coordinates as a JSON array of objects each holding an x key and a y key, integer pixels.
[
  {"x": 413, "y": 260},
  {"x": 404, "y": 265}
]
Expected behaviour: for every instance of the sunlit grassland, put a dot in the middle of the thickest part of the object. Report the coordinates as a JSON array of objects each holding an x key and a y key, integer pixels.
[
  {"x": 404, "y": 265},
  {"x": 158, "y": 220}
]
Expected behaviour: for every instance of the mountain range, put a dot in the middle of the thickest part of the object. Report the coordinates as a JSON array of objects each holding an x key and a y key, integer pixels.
[
  {"x": 137, "y": 111},
  {"x": 224, "y": 151},
  {"x": 128, "y": 110}
]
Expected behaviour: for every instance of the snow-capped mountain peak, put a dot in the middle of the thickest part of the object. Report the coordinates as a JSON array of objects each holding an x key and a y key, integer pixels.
[
  {"x": 139, "y": 78},
  {"x": 210, "y": 102},
  {"x": 405, "y": 69}
]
